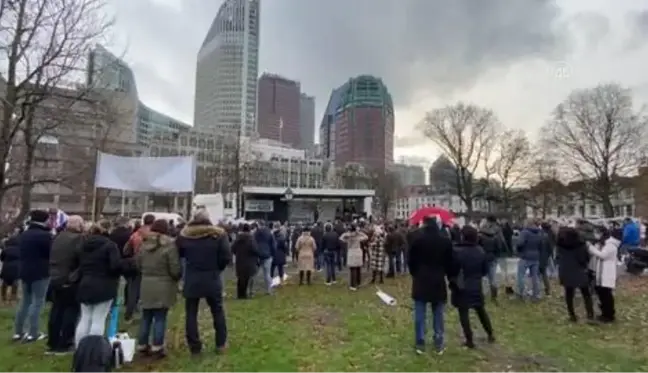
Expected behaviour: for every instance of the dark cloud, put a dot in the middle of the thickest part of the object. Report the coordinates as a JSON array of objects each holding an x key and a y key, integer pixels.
[
  {"x": 414, "y": 45},
  {"x": 638, "y": 24}
]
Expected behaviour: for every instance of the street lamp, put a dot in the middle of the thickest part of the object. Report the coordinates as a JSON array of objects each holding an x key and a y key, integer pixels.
[{"x": 288, "y": 195}]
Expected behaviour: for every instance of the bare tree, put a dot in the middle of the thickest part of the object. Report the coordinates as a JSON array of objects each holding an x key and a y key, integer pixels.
[
  {"x": 509, "y": 163},
  {"x": 546, "y": 188},
  {"x": 387, "y": 187},
  {"x": 599, "y": 137},
  {"x": 464, "y": 133},
  {"x": 44, "y": 45}
]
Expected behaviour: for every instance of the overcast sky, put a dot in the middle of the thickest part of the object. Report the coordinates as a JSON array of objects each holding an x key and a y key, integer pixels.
[{"x": 518, "y": 57}]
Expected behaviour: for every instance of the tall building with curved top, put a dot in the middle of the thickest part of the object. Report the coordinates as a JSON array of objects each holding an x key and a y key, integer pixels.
[
  {"x": 227, "y": 70},
  {"x": 364, "y": 124},
  {"x": 107, "y": 71}
]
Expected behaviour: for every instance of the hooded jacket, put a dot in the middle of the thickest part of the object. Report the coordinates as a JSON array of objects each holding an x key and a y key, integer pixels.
[
  {"x": 492, "y": 240},
  {"x": 159, "y": 264},
  {"x": 206, "y": 251},
  {"x": 530, "y": 243},
  {"x": 573, "y": 258}
]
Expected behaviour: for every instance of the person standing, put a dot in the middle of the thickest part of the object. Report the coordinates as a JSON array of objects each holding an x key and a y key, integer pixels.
[
  {"x": 377, "y": 254},
  {"x": 35, "y": 244},
  {"x": 430, "y": 265},
  {"x": 64, "y": 266},
  {"x": 133, "y": 281},
  {"x": 266, "y": 244},
  {"x": 605, "y": 263},
  {"x": 530, "y": 245},
  {"x": 306, "y": 247},
  {"x": 158, "y": 262},
  {"x": 246, "y": 265},
  {"x": 573, "y": 259},
  {"x": 10, "y": 273},
  {"x": 492, "y": 242},
  {"x": 318, "y": 233},
  {"x": 331, "y": 247},
  {"x": 471, "y": 265},
  {"x": 100, "y": 267},
  {"x": 281, "y": 252},
  {"x": 206, "y": 251},
  {"x": 354, "y": 239}
]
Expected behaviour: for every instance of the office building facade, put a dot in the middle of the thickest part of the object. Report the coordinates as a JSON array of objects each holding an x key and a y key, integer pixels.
[
  {"x": 279, "y": 110},
  {"x": 307, "y": 120}
]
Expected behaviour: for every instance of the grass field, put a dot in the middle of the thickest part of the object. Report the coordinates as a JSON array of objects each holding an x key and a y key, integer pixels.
[{"x": 321, "y": 328}]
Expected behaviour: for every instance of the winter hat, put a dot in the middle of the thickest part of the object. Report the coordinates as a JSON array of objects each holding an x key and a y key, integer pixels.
[{"x": 38, "y": 216}]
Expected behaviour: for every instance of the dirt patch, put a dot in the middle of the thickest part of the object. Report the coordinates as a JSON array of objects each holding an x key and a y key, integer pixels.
[
  {"x": 325, "y": 317},
  {"x": 498, "y": 358}
]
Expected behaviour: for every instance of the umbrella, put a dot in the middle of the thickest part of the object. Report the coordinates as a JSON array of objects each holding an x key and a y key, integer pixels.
[{"x": 444, "y": 215}]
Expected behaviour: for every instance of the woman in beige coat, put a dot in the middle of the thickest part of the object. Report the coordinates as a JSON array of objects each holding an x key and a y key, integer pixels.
[
  {"x": 305, "y": 247},
  {"x": 353, "y": 240}
]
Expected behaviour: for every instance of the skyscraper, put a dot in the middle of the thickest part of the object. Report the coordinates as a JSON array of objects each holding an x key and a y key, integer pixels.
[
  {"x": 364, "y": 124},
  {"x": 307, "y": 120},
  {"x": 278, "y": 110},
  {"x": 327, "y": 126},
  {"x": 227, "y": 69}
]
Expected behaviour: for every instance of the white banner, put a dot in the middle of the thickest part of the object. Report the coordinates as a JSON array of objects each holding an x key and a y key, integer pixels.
[
  {"x": 259, "y": 205},
  {"x": 145, "y": 174}
]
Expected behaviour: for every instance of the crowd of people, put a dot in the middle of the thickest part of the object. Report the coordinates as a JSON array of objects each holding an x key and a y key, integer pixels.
[{"x": 80, "y": 266}]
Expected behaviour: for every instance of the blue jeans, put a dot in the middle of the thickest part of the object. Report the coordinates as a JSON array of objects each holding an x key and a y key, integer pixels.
[
  {"x": 318, "y": 260},
  {"x": 533, "y": 267},
  {"x": 330, "y": 261},
  {"x": 420, "y": 322},
  {"x": 266, "y": 266},
  {"x": 153, "y": 320},
  {"x": 31, "y": 304},
  {"x": 491, "y": 275}
]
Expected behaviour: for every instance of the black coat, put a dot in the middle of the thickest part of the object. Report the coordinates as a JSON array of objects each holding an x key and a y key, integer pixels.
[
  {"x": 573, "y": 258},
  {"x": 10, "y": 258},
  {"x": 247, "y": 255},
  {"x": 120, "y": 237},
  {"x": 318, "y": 234},
  {"x": 430, "y": 263},
  {"x": 281, "y": 249},
  {"x": 331, "y": 242},
  {"x": 206, "y": 251},
  {"x": 35, "y": 245},
  {"x": 100, "y": 267},
  {"x": 471, "y": 265}
]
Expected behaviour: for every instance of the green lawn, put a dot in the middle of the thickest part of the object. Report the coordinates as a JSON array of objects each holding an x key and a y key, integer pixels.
[{"x": 320, "y": 328}]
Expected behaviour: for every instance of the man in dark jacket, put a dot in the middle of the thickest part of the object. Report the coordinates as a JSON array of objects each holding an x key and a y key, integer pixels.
[
  {"x": 295, "y": 232},
  {"x": 121, "y": 233},
  {"x": 394, "y": 242},
  {"x": 267, "y": 246},
  {"x": 64, "y": 264},
  {"x": 492, "y": 241},
  {"x": 430, "y": 264},
  {"x": 529, "y": 246},
  {"x": 206, "y": 251},
  {"x": 330, "y": 246},
  {"x": 318, "y": 233},
  {"x": 35, "y": 245}
]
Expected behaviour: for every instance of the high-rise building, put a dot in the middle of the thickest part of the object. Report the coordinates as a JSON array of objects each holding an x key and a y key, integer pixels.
[
  {"x": 227, "y": 70},
  {"x": 364, "y": 124},
  {"x": 409, "y": 174},
  {"x": 278, "y": 109},
  {"x": 108, "y": 72},
  {"x": 307, "y": 120},
  {"x": 327, "y": 126}
]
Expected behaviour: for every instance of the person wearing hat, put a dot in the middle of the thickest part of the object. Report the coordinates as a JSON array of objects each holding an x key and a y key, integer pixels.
[{"x": 35, "y": 244}]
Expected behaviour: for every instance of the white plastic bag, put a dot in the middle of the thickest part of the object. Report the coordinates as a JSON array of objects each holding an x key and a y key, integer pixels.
[{"x": 127, "y": 345}]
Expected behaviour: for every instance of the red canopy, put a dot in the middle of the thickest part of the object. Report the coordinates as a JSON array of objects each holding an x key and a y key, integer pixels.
[{"x": 446, "y": 217}]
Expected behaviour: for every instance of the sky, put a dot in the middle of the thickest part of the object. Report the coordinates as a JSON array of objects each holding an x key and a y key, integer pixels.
[{"x": 517, "y": 57}]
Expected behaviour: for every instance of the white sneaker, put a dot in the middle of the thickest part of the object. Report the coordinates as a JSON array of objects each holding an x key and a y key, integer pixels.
[
  {"x": 17, "y": 337},
  {"x": 327, "y": 283},
  {"x": 352, "y": 288},
  {"x": 334, "y": 282}
]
